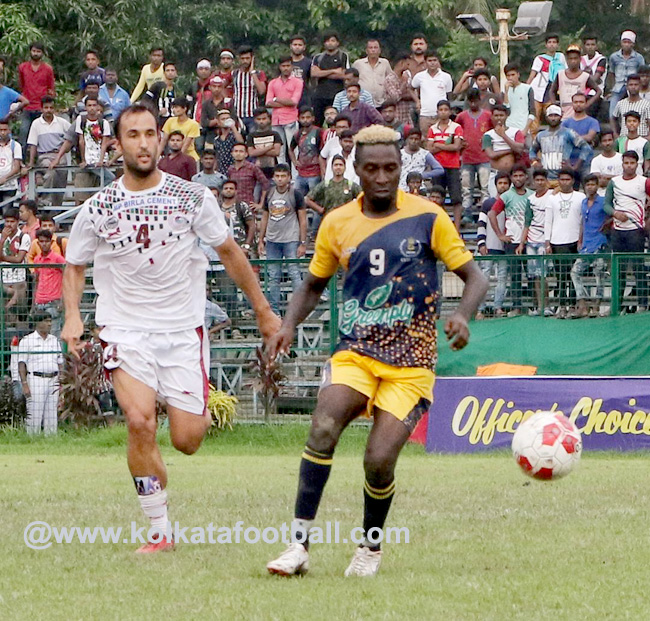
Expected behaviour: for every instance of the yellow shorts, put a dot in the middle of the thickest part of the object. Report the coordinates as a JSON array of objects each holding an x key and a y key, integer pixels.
[{"x": 406, "y": 393}]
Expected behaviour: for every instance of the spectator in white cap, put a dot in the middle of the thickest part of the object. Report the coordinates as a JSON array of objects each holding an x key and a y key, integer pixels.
[
  {"x": 622, "y": 64},
  {"x": 200, "y": 91},
  {"x": 224, "y": 71}
]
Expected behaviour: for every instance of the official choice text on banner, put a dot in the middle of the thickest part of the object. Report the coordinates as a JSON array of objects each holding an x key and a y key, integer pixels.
[{"x": 472, "y": 414}]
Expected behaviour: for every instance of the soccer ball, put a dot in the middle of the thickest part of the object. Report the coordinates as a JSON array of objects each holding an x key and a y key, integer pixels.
[{"x": 547, "y": 446}]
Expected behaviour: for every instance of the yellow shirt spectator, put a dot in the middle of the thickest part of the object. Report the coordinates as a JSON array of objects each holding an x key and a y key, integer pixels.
[{"x": 189, "y": 127}]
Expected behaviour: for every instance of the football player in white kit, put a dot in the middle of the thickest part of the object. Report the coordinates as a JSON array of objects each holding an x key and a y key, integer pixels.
[{"x": 142, "y": 232}]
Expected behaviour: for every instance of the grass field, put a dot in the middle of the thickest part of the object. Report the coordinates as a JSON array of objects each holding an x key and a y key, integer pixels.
[{"x": 485, "y": 543}]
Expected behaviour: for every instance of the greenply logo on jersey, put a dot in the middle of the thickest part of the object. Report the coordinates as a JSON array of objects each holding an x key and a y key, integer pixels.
[{"x": 354, "y": 316}]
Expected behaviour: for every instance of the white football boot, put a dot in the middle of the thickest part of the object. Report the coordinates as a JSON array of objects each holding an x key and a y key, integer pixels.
[
  {"x": 365, "y": 562},
  {"x": 294, "y": 561}
]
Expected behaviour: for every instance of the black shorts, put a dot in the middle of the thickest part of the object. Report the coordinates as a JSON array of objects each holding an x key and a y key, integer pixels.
[{"x": 451, "y": 183}]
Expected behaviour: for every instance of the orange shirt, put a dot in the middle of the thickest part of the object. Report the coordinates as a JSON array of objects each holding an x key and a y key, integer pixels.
[{"x": 59, "y": 245}]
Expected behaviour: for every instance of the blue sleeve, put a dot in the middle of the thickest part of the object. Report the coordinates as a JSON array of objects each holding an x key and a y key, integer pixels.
[
  {"x": 436, "y": 169},
  {"x": 14, "y": 96}
]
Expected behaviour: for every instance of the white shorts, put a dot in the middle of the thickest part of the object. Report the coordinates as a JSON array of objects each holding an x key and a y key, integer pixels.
[{"x": 174, "y": 364}]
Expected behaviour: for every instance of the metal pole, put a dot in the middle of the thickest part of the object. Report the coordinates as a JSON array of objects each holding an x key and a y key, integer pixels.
[
  {"x": 615, "y": 306},
  {"x": 503, "y": 17}
]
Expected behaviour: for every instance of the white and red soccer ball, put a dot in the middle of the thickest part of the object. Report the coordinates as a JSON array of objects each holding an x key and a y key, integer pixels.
[{"x": 547, "y": 446}]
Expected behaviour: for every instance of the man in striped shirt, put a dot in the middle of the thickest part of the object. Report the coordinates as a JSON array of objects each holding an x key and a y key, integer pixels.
[
  {"x": 632, "y": 103},
  {"x": 249, "y": 86}
]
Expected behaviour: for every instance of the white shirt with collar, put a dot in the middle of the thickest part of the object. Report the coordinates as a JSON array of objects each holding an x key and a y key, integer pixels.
[{"x": 40, "y": 355}]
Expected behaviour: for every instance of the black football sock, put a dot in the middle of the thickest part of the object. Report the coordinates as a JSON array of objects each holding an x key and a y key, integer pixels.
[{"x": 377, "y": 501}]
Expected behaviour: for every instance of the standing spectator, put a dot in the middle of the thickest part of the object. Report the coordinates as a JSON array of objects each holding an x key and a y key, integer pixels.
[
  {"x": 199, "y": 91},
  {"x": 397, "y": 87},
  {"x": 91, "y": 60},
  {"x": 622, "y": 64},
  {"x": 562, "y": 232},
  {"x": 341, "y": 100},
  {"x": 625, "y": 201},
  {"x": 239, "y": 216},
  {"x": 11, "y": 102},
  {"x": 163, "y": 92},
  {"x": 361, "y": 115},
  {"x": 502, "y": 144},
  {"x": 328, "y": 195},
  {"x": 346, "y": 150},
  {"x": 595, "y": 64},
  {"x": 307, "y": 142},
  {"x": 40, "y": 362},
  {"x": 533, "y": 242},
  {"x": 150, "y": 73},
  {"x": 388, "y": 111},
  {"x": 469, "y": 79},
  {"x": 247, "y": 176},
  {"x": 177, "y": 163},
  {"x": 332, "y": 145},
  {"x": 282, "y": 96},
  {"x": 283, "y": 232},
  {"x": 514, "y": 203},
  {"x": 328, "y": 68},
  {"x": 11, "y": 157},
  {"x": 445, "y": 141},
  {"x": 644, "y": 75},
  {"x": 224, "y": 71},
  {"x": 475, "y": 168},
  {"x": 301, "y": 67},
  {"x": 264, "y": 144},
  {"x": 46, "y": 137},
  {"x": 209, "y": 176},
  {"x": 571, "y": 81},
  {"x": 328, "y": 130},
  {"x": 554, "y": 147},
  {"x": 488, "y": 243},
  {"x": 211, "y": 109},
  {"x": 429, "y": 88},
  {"x": 28, "y": 213},
  {"x": 519, "y": 98},
  {"x": 634, "y": 142},
  {"x": 544, "y": 70},
  {"x": 249, "y": 86},
  {"x": 93, "y": 134},
  {"x": 419, "y": 160},
  {"x": 632, "y": 103},
  {"x": 49, "y": 281},
  {"x": 373, "y": 71},
  {"x": 417, "y": 61},
  {"x": 609, "y": 163},
  {"x": 59, "y": 244},
  {"x": 587, "y": 127},
  {"x": 36, "y": 80},
  {"x": 15, "y": 245},
  {"x": 114, "y": 94},
  {"x": 593, "y": 245},
  {"x": 181, "y": 122},
  {"x": 225, "y": 137}
]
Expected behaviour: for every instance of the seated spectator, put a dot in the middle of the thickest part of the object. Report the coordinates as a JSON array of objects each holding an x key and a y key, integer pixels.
[
  {"x": 328, "y": 195},
  {"x": 209, "y": 176},
  {"x": 341, "y": 100},
  {"x": 594, "y": 245},
  {"x": 417, "y": 159},
  {"x": 49, "y": 282},
  {"x": 361, "y": 115},
  {"x": 180, "y": 122},
  {"x": 15, "y": 245},
  {"x": 216, "y": 319},
  {"x": 264, "y": 145},
  {"x": 176, "y": 162},
  {"x": 414, "y": 183},
  {"x": 11, "y": 158},
  {"x": 307, "y": 142}
]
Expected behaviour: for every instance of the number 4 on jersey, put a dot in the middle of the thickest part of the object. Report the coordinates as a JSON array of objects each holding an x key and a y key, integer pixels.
[{"x": 143, "y": 236}]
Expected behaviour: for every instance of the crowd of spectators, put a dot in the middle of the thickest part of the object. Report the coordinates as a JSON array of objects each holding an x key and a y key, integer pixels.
[{"x": 279, "y": 151}]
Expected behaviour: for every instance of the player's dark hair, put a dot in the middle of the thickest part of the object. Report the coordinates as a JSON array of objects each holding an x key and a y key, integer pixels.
[
  {"x": 168, "y": 63},
  {"x": 338, "y": 157},
  {"x": 355, "y": 85},
  {"x": 211, "y": 152},
  {"x": 634, "y": 114},
  {"x": 244, "y": 49},
  {"x": 282, "y": 168},
  {"x": 329, "y": 34},
  {"x": 181, "y": 102},
  {"x": 589, "y": 177},
  {"x": 37, "y": 45},
  {"x": 567, "y": 171},
  {"x": 387, "y": 104},
  {"x": 305, "y": 109},
  {"x": 36, "y": 318},
  {"x": 438, "y": 189},
  {"x": 91, "y": 52},
  {"x": 540, "y": 172},
  {"x": 11, "y": 212},
  {"x": 156, "y": 48},
  {"x": 589, "y": 37},
  {"x": 342, "y": 117},
  {"x": 259, "y": 112},
  {"x": 500, "y": 108},
  {"x": 550, "y": 36},
  {"x": 502, "y": 174},
  {"x": 32, "y": 205},
  {"x": 298, "y": 37},
  {"x": 418, "y": 35},
  {"x": 473, "y": 94},
  {"x": 631, "y": 154},
  {"x": 519, "y": 167},
  {"x": 284, "y": 59},
  {"x": 176, "y": 132},
  {"x": 92, "y": 98},
  {"x": 633, "y": 76},
  {"x": 444, "y": 102},
  {"x": 511, "y": 67},
  {"x": 47, "y": 217},
  {"x": 414, "y": 131},
  {"x": 239, "y": 144},
  {"x": 137, "y": 108},
  {"x": 480, "y": 72},
  {"x": 43, "y": 234},
  {"x": 47, "y": 99},
  {"x": 431, "y": 54},
  {"x": 347, "y": 133},
  {"x": 606, "y": 131},
  {"x": 233, "y": 181},
  {"x": 352, "y": 71},
  {"x": 414, "y": 175}
]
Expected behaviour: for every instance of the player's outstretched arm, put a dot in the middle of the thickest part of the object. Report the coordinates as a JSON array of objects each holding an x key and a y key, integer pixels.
[
  {"x": 74, "y": 279},
  {"x": 476, "y": 286},
  {"x": 240, "y": 270},
  {"x": 302, "y": 303}
]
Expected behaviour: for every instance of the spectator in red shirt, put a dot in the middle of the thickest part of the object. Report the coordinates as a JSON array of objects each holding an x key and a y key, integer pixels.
[
  {"x": 445, "y": 141},
  {"x": 178, "y": 163},
  {"x": 224, "y": 71},
  {"x": 49, "y": 281},
  {"x": 247, "y": 176},
  {"x": 36, "y": 80},
  {"x": 475, "y": 163}
]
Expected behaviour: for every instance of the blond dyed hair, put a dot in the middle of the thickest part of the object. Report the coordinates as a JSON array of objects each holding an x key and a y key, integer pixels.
[{"x": 376, "y": 134}]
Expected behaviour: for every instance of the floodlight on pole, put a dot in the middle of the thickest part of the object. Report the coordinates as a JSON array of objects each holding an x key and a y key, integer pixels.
[{"x": 475, "y": 23}]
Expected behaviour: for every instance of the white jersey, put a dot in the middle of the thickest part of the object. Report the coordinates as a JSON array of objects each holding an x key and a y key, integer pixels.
[
  {"x": 563, "y": 217},
  {"x": 630, "y": 198},
  {"x": 149, "y": 271},
  {"x": 538, "y": 208}
]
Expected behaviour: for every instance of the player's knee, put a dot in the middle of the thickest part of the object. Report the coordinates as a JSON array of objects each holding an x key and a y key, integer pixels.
[
  {"x": 141, "y": 427},
  {"x": 187, "y": 444},
  {"x": 379, "y": 465},
  {"x": 324, "y": 433}
]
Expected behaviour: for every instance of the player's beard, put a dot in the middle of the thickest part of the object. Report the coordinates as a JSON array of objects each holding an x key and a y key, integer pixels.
[{"x": 139, "y": 170}]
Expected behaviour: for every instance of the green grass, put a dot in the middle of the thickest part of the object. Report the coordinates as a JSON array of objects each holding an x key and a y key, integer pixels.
[{"x": 485, "y": 542}]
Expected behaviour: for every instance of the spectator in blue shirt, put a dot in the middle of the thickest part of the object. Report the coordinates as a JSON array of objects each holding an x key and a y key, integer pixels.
[
  {"x": 592, "y": 242},
  {"x": 114, "y": 94},
  {"x": 9, "y": 96},
  {"x": 587, "y": 127},
  {"x": 622, "y": 64}
]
